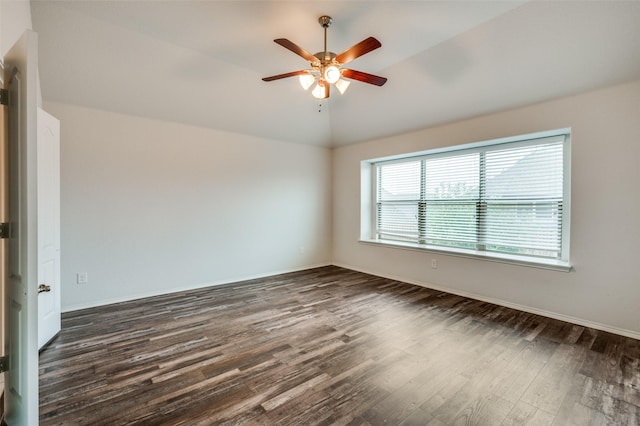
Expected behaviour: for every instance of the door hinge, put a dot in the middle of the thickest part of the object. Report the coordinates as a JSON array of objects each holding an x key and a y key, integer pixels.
[
  {"x": 4, "y": 364},
  {"x": 4, "y": 230},
  {"x": 4, "y": 97}
]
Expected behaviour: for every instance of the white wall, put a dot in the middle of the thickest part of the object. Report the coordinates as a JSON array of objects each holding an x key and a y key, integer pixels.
[
  {"x": 604, "y": 289},
  {"x": 15, "y": 18},
  {"x": 150, "y": 207}
]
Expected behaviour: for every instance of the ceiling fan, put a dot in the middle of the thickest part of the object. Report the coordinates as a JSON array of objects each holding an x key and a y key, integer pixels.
[{"x": 327, "y": 67}]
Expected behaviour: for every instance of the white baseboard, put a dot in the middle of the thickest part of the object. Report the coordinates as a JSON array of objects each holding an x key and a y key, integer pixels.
[
  {"x": 137, "y": 296},
  {"x": 573, "y": 320}
]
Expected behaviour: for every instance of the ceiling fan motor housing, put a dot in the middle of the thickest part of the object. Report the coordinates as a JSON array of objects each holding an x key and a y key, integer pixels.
[{"x": 324, "y": 60}]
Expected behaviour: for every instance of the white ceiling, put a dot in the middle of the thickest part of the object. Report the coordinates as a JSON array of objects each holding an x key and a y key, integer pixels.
[{"x": 201, "y": 62}]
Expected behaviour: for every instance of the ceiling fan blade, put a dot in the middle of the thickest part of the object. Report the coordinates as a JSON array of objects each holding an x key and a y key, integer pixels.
[
  {"x": 289, "y": 74},
  {"x": 363, "y": 77},
  {"x": 287, "y": 44},
  {"x": 357, "y": 50}
]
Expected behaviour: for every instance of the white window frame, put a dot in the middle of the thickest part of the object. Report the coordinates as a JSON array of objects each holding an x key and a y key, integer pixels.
[{"x": 369, "y": 202}]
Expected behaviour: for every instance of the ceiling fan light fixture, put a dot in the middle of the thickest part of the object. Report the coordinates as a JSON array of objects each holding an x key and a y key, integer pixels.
[
  {"x": 332, "y": 74},
  {"x": 319, "y": 92},
  {"x": 307, "y": 80},
  {"x": 342, "y": 85}
]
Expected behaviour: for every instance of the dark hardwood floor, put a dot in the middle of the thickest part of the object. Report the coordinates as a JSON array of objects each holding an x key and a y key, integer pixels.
[{"x": 332, "y": 346}]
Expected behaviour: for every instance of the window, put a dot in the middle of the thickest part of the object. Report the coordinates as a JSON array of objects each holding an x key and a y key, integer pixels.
[{"x": 506, "y": 199}]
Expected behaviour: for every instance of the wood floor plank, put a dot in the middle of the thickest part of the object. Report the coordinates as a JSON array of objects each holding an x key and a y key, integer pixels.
[
  {"x": 524, "y": 414},
  {"x": 331, "y": 346}
]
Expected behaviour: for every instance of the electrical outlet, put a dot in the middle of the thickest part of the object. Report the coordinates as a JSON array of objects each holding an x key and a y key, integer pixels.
[
  {"x": 434, "y": 263},
  {"x": 82, "y": 278}
]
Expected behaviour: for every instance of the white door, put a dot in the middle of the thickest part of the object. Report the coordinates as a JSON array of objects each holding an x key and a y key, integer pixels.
[
  {"x": 21, "y": 394},
  {"x": 48, "y": 227}
]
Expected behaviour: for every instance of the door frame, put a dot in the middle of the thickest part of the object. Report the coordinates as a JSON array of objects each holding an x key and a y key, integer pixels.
[{"x": 3, "y": 219}]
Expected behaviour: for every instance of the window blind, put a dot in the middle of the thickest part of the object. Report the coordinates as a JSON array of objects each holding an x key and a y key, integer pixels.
[
  {"x": 399, "y": 193},
  {"x": 504, "y": 198}
]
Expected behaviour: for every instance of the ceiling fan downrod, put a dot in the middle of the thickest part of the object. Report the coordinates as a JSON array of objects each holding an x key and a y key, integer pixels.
[{"x": 325, "y": 21}]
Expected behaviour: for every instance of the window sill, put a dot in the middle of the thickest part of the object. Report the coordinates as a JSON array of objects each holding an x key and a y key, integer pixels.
[{"x": 556, "y": 265}]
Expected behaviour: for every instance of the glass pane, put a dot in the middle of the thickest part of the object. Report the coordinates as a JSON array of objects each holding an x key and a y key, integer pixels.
[
  {"x": 398, "y": 221},
  {"x": 529, "y": 229},
  {"x": 525, "y": 173},
  {"x": 451, "y": 224},
  {"x": 399, "y": 181},
  {"x": 453, "y": 178}
]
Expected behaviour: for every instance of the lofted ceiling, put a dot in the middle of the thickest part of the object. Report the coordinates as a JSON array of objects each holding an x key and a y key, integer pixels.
[{"x": 201, "y": 62}]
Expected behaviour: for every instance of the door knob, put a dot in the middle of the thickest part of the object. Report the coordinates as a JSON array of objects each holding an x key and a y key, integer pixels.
[{"x": 42, "y": 288}]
